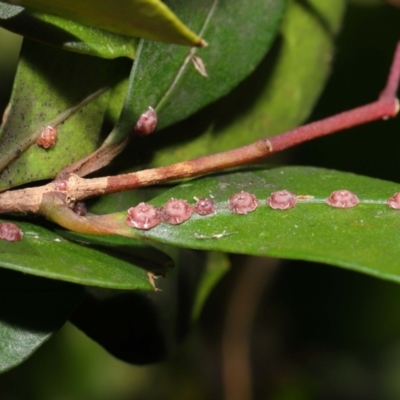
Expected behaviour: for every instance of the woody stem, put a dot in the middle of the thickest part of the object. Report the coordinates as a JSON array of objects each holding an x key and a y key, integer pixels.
[
  {"x": 387, "y": 106},
  {"x": 76, "y": 188}
]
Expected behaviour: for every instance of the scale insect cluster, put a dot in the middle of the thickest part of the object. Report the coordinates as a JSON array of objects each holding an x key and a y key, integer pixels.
[{"x": 177, "y": 211}]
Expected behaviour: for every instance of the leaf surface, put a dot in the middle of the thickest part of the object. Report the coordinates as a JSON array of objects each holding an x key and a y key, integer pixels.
[
  {"x": 64, "y": 33},
  {"x": 277, "y": 96},
  {"x": 146, "y": 256},
  {"x": 50, "y": 81},
  {"x": 363, "y": 238},
  {"x": 166, "y": 77},
  {"x": 44, "y": 253},
  {"x": 150, "y": 19}
]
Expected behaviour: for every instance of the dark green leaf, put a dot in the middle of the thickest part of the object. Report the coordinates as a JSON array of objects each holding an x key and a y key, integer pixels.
[
  {"x": 277, "y": 96},
  {"x": 146, "y": 256},
  {"x": 67, "y": 34},
  {"x": 150, "y": 19},
  {"x": 238, "y": 36},
  {"x": 49, "y": 255},
  {"x": 31, "y": 310},
  {"x": 363, "y": 238}
]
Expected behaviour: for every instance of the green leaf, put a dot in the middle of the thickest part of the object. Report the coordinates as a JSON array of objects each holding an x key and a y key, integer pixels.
[
  {"x": 146, "y": 256},
  {"x": 50, "y": 81},
  {"x": 67, "y": 34},
  {"x": 150, "y": 19},
  {"x": 44, "y": 253},
  {"x": 363, "y": 238},
  {"x": 31, "y": 310},
  {"x": 277, "y": 96},
  {"x": 165, "y": 76}
]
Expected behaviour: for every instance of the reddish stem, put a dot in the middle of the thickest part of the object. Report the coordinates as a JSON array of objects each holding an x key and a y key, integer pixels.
[
  {"x": 382, "y": 108},
  {"x": 386, "y": 106},
  {"x": 392, "y": 83},
  {"x": 75, "y": 188}
]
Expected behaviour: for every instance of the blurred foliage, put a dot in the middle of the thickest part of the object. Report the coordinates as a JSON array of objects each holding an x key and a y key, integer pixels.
[{"x": 9, "y": 49}]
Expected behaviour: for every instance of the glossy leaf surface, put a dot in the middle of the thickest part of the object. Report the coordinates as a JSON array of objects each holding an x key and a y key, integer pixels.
[
  {"x": 64, "y": 33},
  {"x": 150, "y": 19},
  {"x": 277, "y": 96},
  {"x": 146, "y": 256},
  {"x": 31, "y": 310},
  {"x": 363, "y": 238},
  {"x": 166, "y": 77},
  {"x": 49, "y": 255}
]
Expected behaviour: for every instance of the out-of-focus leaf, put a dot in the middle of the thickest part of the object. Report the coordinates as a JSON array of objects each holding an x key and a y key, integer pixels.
[
  {"x": 48, "y": 82},
  {"x": 217, "y": 266},
  {"x": 277, "y": 96},
  {"x": 166, "y": 78},
  {"x": 67, "y": 34},
  {"x": 156, "y": 322},
  {"x": 150, "y": 19},
  {"x": 31, "y": 310},
  {"x": 363, "y": 238},
  {"x": 43, "y": 253}
]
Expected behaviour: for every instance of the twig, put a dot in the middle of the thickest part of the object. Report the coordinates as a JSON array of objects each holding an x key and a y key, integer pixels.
[
  {"x": 386, "y": 106},
  {"x": 75, "y": 188}
]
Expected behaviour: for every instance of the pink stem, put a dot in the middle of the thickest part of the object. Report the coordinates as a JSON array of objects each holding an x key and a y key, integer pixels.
[
  {"x": 392, "y": 84},
  {"x": 28, "y": 200},
  {"x": 385, "y": 107}
]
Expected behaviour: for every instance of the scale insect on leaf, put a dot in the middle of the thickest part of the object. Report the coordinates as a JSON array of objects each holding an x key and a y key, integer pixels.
[
  {"x": 10, "y": 232},
  {"x": 342, "y": 199},
  {"x": 176, "y": 211},
  {"x": 143, "y": 216},
  {"x": 48, "y": 137},
  {"x": 242, "y": 203}
]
